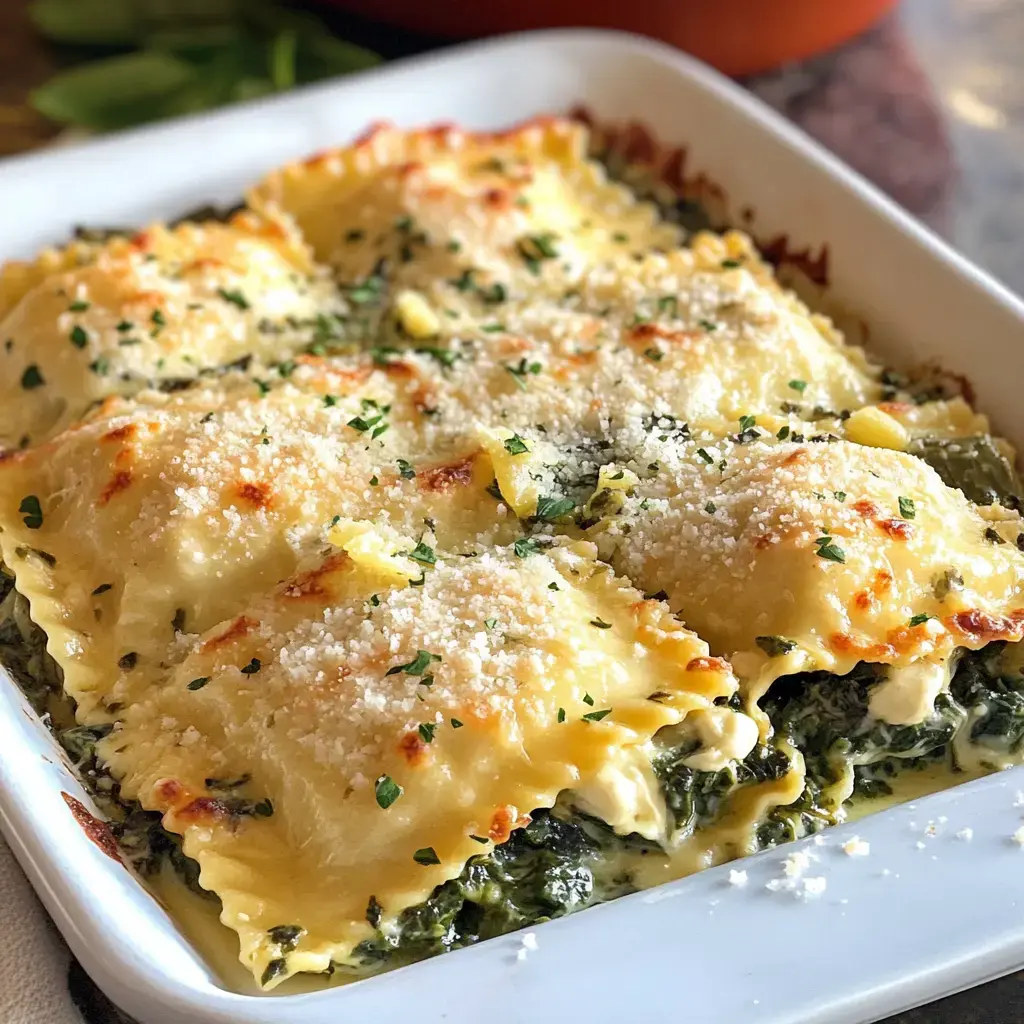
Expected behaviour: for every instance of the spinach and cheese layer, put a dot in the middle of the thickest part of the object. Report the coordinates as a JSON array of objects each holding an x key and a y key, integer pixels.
[{"x": 448, "y": 541}]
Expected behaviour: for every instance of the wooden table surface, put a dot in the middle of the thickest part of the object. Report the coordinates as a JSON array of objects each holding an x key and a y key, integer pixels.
[{"x": 833, "y": 97}]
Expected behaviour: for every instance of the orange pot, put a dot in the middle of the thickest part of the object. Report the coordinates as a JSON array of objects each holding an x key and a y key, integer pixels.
[{"x": 739, "y": 37}]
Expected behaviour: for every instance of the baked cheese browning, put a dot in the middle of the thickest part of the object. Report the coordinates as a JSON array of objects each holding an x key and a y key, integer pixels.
[
  {"x": 332, "y": 515},
  {"x": 444, "y": 203},
  {"x": 385, "y": 734},
  {"x": 674, "y": 334},
  {"x": 161, "y": 306},
  {"x": 818, "y": 556},
  {"x": 165, "y": 514}
]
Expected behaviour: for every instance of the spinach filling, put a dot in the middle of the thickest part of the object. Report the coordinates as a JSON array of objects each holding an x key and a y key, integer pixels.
[
  {"x": 553, "y": 866},
  {"x": 994, "y": 699},
  {"x": 847, "y": 752},
  {"x": 564, "y": 860},
  {"x": 973, "y": 464}
]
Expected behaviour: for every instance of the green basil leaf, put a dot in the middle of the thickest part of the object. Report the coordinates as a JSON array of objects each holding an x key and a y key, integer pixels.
[
  {"x": 116, "y": 92},
  {"x": 87, "y": 22}
]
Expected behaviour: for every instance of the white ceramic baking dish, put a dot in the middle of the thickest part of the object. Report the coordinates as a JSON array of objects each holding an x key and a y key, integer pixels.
[{"x": 937, "y": 905}]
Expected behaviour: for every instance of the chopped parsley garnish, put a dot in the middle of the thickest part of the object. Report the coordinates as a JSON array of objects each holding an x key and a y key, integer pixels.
[
  {"x": 798, "y": 385},
  {"x": 521, "y": 370},
  {"x": 828, "y": 549},
  {"x": 158, "y": 318},
  {"x": 731, "y": 264},
  {"x": 128, "y": 661},
  {"x": 363, "y": 425},
  {"x": 444, "y": 356},
  {"x": 367, "y": 292},
  {"x": 78, "y": 306},
  {"x": 32, "y": 378},
  {"x": 236, "y": 298},
  {"x": 525, "y": 546},
  {"x": 668, "y": 304},
  {"x": 747, "y": 423},
  {"x": 32, "y": 512},
  {"x": 416, "y": 667},
  {"x": 330, "y": 401},
  {"x": 125, "y": 325},
  {"x": 426, "y": 856},
  {"x": 775, "y": 646},
  {"x": 494, "y": 294},
  {"x": 708, "y": 325},
  {"x": 703, "y": 454},
  {"x": 374, "y": 481},
  {"x": 596, "y": 716},
  {"x": 252, "y": 668},
  {"x": 424, "y": 554},
  {"x": 464, "y": 282},
  {"x": 483, "y": 840},
  {"x": 783, "y": 433},
  {"x": 101, "y": 366},
  {"x": 655, "y": 355},
  {"x": 561, "y": 715},
  {"x": 992, "y": 535},
  {"x": 492, "y": 328},
  {"x": 710, "y": 507},
  {"x": 587, "y": 699},
  {"x": 387, "y": 791},
  {"x": 198, "y": 684},
  {"x": 490, "y": 623},
  {"x": 426, "y": 731},
  {"x": 78, "y": 336},
  {"x": 536, "y": 248},
  {"x": 600, "y": 623},
  {"x": 515, "y": 445},
  {"x": 549, "y": 508},
  {"x": 102, "y": 589},
  {"x": 553, "y": 586},
  {"x": 918, "y": 620},
  {"x": 405, "y": 470},
  {"x": 456, "y": 724},
  {"x": 287, "y": 368},
  {"x": 907, "y": 509},
  {"x": 841, "y": 496}
]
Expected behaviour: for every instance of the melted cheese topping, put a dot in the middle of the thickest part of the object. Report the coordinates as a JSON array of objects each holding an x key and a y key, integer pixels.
[
  {"x": 798, "y": 557},
  {"x": 301, "y": 589},
  {"x": 442, "y": 201},
  {"x": 162, "y": 306},
  {"x": 482, "y": 695},
  {"x": 219, "y": 493}
]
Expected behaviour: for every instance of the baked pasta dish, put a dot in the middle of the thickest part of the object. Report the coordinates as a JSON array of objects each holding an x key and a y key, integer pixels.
[{"x": 450, "y": 539}]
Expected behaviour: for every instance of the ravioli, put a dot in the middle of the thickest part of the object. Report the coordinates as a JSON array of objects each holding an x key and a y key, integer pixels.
[
  {"x": 444, "y": 203},
  {"x": 349, "y": 742},
  {"x": 423, "y": 546},
  {"x": 817, "y": 556},
  {"x": 165, "y": 513},
  {"x": 675, "y": 334},
  {"x": 158, "y": 308}
]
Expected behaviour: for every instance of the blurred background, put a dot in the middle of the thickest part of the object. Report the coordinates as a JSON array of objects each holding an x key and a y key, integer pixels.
[{"x": 924, "y": 97}]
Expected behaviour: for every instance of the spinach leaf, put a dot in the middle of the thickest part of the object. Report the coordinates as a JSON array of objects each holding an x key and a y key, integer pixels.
[
  {"x": 118, "y": 91},
  {"x": 973, "y": 464},
  {"x": 996, "y": 700}
]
